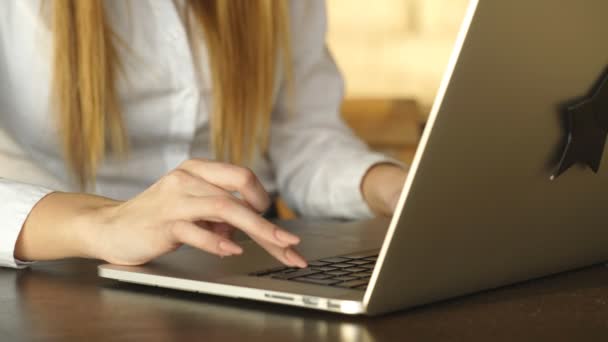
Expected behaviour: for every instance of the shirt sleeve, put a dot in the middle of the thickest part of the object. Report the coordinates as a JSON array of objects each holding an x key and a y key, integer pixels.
[
  {"x": 16, "y": 202},
  {"x": 318, "y": 161}
]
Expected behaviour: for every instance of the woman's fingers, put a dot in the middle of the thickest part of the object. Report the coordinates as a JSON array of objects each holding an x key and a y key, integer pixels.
[
  {"x": 196, "y": 186},
  {"x": 222, "y": 229},
  {"x": 192, "y": 184},
  {"x": 230, "y": 211},
  {"x": 231, "y": 178},
  {"x": 202, "y": 236},
  {"x": 181, "y": 182},
  {"x": 190, "y": 234},
  {"x": 287, "y": 256},
  {"x": 203, "y": 198}
]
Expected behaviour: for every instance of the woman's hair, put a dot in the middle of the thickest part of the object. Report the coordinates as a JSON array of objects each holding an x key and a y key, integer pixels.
[{"x": 246, "y": 41}]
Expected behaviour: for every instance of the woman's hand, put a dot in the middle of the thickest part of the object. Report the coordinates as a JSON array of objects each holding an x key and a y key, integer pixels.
[
  {"x": 381, "y": 187},
  {"x": 191, "y": 205}
]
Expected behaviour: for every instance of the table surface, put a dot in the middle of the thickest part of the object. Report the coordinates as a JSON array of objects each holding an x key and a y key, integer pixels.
[{"x": 65, "y": 301}]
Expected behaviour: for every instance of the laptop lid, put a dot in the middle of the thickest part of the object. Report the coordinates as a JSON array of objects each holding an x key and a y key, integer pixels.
[{"x": 479, "y": 209}]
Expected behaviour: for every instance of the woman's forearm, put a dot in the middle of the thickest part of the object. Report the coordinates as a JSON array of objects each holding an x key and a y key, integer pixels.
[
  {"x": 381, "y": 187},
  {"x": 59, "y": 226},
  {"x": 190, "y": 205},
  {"x": 65, "y": 225}
]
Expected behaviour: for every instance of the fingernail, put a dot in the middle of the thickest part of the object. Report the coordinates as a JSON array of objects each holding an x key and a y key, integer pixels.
[
  {"x": 295, "y": 258},
  {"x": 230, "y": 247},
  {"x": 286, "y": 237}
]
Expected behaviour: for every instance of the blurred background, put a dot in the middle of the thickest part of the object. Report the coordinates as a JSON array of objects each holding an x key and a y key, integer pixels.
[{"x": 392, "y": 54}]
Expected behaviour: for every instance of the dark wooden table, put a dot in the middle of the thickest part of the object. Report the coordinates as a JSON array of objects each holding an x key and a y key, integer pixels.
[{"x": 66, "y": 301}]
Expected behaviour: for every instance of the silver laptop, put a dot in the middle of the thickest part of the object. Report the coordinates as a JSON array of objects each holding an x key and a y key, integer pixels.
[{"x": 502, "y": 188}]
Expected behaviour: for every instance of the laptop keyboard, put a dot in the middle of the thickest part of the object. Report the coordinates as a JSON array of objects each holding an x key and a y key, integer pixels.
[{"x": 351, "y": 271}]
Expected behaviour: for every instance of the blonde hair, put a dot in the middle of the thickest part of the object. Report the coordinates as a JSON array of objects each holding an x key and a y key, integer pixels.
[{"x": 247, "y": 40}]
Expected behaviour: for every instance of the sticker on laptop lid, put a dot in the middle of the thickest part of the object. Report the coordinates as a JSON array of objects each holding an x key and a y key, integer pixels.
[{"x": 587, "y": 129}]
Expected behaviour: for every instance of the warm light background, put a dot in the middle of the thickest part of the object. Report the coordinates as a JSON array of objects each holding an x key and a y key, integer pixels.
[
  {"x": 393, "y": 48},
  {"x": 392, "y": 54}
]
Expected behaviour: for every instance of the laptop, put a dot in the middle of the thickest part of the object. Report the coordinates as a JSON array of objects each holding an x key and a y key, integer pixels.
[{"x": 483, "y": 205}]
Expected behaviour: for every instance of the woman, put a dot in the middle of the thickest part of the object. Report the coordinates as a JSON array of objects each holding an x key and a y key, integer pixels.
[{"x": 123, "y": 122}]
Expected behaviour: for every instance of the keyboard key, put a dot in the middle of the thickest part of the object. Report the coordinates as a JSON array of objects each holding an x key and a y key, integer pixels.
[
  {"x": 374, "y": 258},
  {"x": 290, "y": 270},
  {"x": 355, "y": 269},
  {"x": 360, "y": 262},
  {"x": 300, "y": 273},
  {"x": 353, "y": 283},
  {"x": 361, "y": 274},
  {"x": 319, "y": 276},
  {"x": 318, "y": 281},
  {"x": 345, "y": 278},
  {"x": 368, "y": 266},
  {"x": 337, "y": 273},
  {"x": 334, "y": 260},
  {"x": 342, "y": 265},
  {"x": 316, "y": 263},
  {"x": 324, "y": 269},
  {"x": 361, "y": 255}
]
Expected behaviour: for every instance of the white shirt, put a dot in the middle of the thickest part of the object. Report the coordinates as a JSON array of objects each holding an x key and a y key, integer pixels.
[{"x": 314, "y": 160}]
